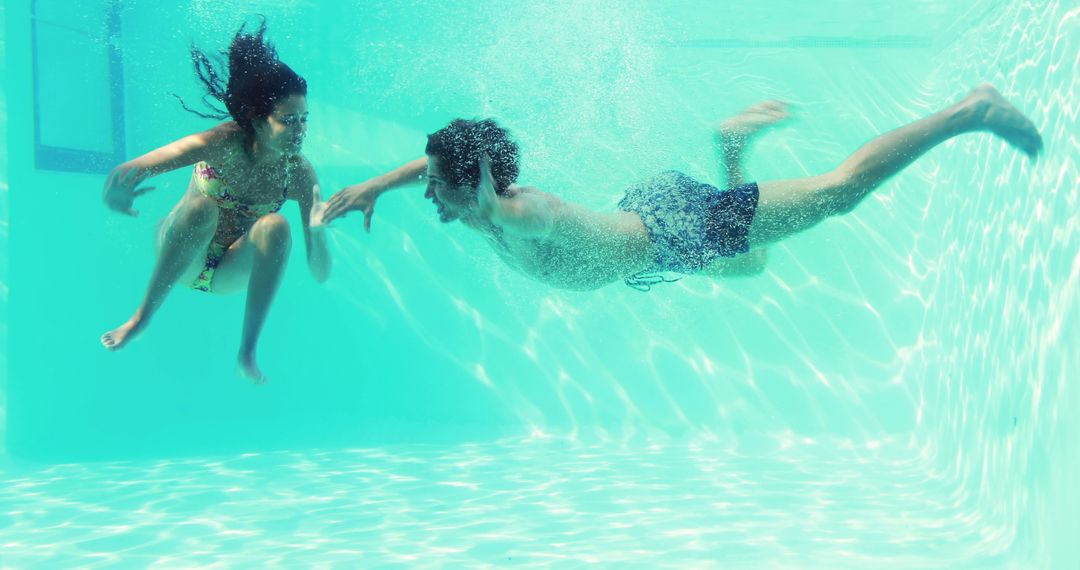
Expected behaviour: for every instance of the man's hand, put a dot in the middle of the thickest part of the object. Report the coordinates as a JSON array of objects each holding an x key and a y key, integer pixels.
[
  {"x": 359, "y": 197},
  {"x": 487, "y": 199}
]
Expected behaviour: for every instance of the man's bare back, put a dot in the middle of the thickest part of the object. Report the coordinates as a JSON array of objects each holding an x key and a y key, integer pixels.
[{"x": 584, "y": 249}]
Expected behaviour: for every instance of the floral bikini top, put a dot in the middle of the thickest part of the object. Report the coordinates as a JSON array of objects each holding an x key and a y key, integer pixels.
[{"x": 212, "y": 186}]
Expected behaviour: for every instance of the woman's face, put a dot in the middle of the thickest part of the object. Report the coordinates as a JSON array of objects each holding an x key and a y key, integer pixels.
[{"x": 285, "y": 128}]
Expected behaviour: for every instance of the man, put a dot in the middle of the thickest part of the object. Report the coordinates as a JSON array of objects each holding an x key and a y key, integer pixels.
[{"x": 670, "y": 223}]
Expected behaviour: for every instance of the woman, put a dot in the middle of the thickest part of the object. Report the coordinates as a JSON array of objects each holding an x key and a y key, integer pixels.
[{"x": 226, "y": 231}]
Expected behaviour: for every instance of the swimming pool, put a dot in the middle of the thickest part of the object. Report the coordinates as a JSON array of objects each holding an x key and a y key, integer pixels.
[{"x": 892, "y": 392}]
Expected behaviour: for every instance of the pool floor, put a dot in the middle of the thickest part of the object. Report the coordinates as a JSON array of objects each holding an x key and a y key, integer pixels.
[{"x": 759, "y": 503}]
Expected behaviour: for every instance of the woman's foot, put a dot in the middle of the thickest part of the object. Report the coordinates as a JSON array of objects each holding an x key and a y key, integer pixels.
[
  {"x": 758, "y": 117},
  {"x": 993, "y": 113},
  {"x": 249, "y": 368},
  {"x": 121, "y": 335}
]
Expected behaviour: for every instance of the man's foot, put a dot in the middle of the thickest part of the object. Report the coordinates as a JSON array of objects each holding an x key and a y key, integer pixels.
[
  {"x": 741, "y": 128},
  {"x": 998, "y": 116},
  {"x": 250, "y": 369},
  {"x": 121, "y": 335}
]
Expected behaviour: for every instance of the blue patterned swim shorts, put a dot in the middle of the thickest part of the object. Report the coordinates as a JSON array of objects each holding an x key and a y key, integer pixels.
[{"x": 690, "y": 223}]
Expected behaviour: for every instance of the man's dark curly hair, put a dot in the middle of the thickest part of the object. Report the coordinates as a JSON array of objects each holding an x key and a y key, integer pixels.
[{"x": 459, "y": 146}]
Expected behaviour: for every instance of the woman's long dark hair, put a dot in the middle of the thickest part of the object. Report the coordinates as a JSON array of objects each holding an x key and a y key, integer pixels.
[{"x": 256, "y": 81}]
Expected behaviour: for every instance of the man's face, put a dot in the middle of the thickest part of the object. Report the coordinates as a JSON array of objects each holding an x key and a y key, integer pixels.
[{"x": 452, "y": 201}]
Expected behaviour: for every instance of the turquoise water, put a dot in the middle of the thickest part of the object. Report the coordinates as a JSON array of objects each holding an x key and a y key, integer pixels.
[{"x": 893, "y": 392}]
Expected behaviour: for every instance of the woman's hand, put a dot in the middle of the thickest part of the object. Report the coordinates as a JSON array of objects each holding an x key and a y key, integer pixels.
[
  {"x": 317, "y": 217},
  {"x": 121, "y": 189},
  {"x": 359, "y": 197}
]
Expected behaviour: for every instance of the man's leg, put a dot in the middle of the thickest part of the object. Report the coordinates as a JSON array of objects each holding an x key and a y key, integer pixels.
[
  {"x": 731, "y": 139},
  {"x": 787, "y": 207},
  {"x": 734, "y": 134}
]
